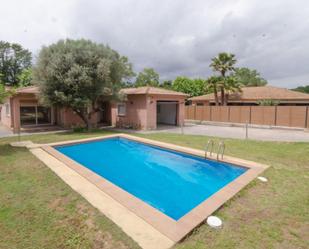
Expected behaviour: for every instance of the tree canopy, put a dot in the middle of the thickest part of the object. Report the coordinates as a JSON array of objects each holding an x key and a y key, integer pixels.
[
  {"x": 212, "y": 86},
  {"x": 80, "y": 74},
  {"x": 148, "y": 77},
  {"x": 25, "y": 78},
  {"x": 193, "y": 87},
  {"x": 4, "y": 93},
  {"x": 224, "y": 63},
  {"x": 268, "y": 102},
  {"x": 303, "y": 89},
  {"x": 249, "y": 77},
  {"x": 13, "y": 60}
]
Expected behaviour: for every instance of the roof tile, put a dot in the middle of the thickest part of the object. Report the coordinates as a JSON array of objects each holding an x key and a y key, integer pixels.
[{"x": 260, "y": 93}]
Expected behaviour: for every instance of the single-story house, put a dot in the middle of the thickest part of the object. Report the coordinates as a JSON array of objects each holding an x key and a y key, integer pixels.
[
  {"x": 144, "y": 108},
  {"x": 252, "y": 95}
]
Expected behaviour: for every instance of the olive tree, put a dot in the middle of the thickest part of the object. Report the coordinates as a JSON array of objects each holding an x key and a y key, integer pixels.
[{"x": 79, "y": 74}]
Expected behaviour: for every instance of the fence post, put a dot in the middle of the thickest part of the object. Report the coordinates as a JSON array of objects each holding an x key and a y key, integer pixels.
[
  {"x": 250, "y": 113},
  {"x": 246, "y": 130},
  {"x": 306, "y": 119},
  {"x": 18, "y": 134},
  {"x": 195, "y": 112},
  {"x": 210, "y": 113},
  {"x": 181, "y": 128},
  {"x": 229, "y": 114},
  {"x": 275, "y": 115}
]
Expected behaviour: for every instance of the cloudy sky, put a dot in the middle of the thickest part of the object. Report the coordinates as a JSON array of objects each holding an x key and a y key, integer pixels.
[{"x": 176, "y": 37}]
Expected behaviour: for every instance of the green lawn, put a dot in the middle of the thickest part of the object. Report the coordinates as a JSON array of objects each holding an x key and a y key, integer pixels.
[{"x": 38, "y": 210}]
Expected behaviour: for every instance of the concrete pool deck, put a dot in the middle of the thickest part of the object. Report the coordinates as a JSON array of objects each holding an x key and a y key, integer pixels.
[
  {"x": 146, "y": 225},
  {"x": 139, "y": 230}
]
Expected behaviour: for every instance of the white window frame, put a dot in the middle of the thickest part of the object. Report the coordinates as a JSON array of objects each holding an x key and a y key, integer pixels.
[{"x": 123, "y": 113}]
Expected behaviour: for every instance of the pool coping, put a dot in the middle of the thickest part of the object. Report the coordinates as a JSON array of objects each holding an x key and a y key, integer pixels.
[{"x": 174, "y": 230}]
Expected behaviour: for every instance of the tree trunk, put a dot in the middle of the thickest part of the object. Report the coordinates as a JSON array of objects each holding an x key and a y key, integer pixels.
[
  {"x": 222, "y": 89},
  {"x": 226, "y": 99},
  {"x": 84, "y": 118},
  {"x": 89, "y": 125},
  {"x": 222, "y": 95},
  {"x": 216, "y": 96}
]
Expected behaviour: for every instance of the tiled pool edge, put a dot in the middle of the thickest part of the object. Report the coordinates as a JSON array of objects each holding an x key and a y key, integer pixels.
[{"x": 175, "y": 230}]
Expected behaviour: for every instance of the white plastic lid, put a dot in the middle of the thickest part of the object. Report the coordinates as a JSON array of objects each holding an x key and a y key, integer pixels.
[
  {"x": 262, "y": 179},
  {"x": 214, "y": 221}
]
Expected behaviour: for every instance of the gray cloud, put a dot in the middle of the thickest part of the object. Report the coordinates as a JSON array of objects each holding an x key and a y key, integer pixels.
[{"x": 175, "y": 37}]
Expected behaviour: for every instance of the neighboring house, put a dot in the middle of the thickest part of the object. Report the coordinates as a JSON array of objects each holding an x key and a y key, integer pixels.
[
  {"x": 252, "y": 95},
  {"x": 145, "y": 108}
]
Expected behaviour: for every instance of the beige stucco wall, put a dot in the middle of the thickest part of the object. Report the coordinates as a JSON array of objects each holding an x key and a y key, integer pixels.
[
  {"x": 64, "y": 117},
  {"x": 141, "y": 111},
  {"x": 24, "y": 99},
  {"x": 136, "y": 113},
  {"x": 67, "y": 118},
  {"x": 6, "y": 119},
  {"x": 17, "y": 101},
  {"x": 152, "y": 109}
]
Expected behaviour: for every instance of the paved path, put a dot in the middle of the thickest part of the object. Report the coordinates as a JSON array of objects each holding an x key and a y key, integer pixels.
[
  {"x": 240, "y": 132},
  {"x": 215, "y": 131},
  {"x": 4, "y": 131}
]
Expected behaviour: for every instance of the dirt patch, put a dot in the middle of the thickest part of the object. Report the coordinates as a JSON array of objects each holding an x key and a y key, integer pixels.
[
  {"x": 101, "y": 239},
  {"x": 104, "y": 240},
  {"x": 59, "y": 203}
]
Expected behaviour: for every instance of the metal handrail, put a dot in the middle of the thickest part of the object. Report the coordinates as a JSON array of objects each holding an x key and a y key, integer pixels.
[
  {"x": 221, "y": 149},
  {"x": 210, "y": 144}
]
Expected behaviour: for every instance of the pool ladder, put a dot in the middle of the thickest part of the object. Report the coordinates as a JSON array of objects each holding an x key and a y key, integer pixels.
[
  {"x": 209, "y": 148},
  {"x": 221, "y": 149}
]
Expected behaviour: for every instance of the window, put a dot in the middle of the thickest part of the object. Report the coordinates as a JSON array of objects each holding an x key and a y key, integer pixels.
[
  {"x": 199, "y": 104},
  {"x": 43, "y": 115},
  {"x": 35, "y": 115},
  {"x": 121, "y": 109},
  {"x": 7, "y": 110},
  {"x": 28, "y": 115}
]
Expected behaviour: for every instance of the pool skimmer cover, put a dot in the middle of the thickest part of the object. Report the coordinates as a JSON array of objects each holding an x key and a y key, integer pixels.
[
  {"x": 262, "y": 179},
  {"x": 214, "y": 221}
]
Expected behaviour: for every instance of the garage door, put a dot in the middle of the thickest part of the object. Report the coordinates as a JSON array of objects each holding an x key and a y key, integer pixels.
[{"x": 167, "y": 112}]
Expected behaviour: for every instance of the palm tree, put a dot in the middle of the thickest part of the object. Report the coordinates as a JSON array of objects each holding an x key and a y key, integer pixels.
[
  {"x": 223, "y": 63},
  {"x": 231, "y": 85},
  {"x": 212, "y": 84}
]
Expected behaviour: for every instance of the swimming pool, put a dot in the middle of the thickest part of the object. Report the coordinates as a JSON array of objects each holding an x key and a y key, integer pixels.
[{"x": 172, "y": 182}]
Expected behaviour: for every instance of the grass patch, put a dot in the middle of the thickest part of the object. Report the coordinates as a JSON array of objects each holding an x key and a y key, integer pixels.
[{"x": 38, "y": 210}]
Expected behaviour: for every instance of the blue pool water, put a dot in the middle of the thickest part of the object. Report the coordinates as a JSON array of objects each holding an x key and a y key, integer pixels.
[{"x": 169, "y": 181}]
